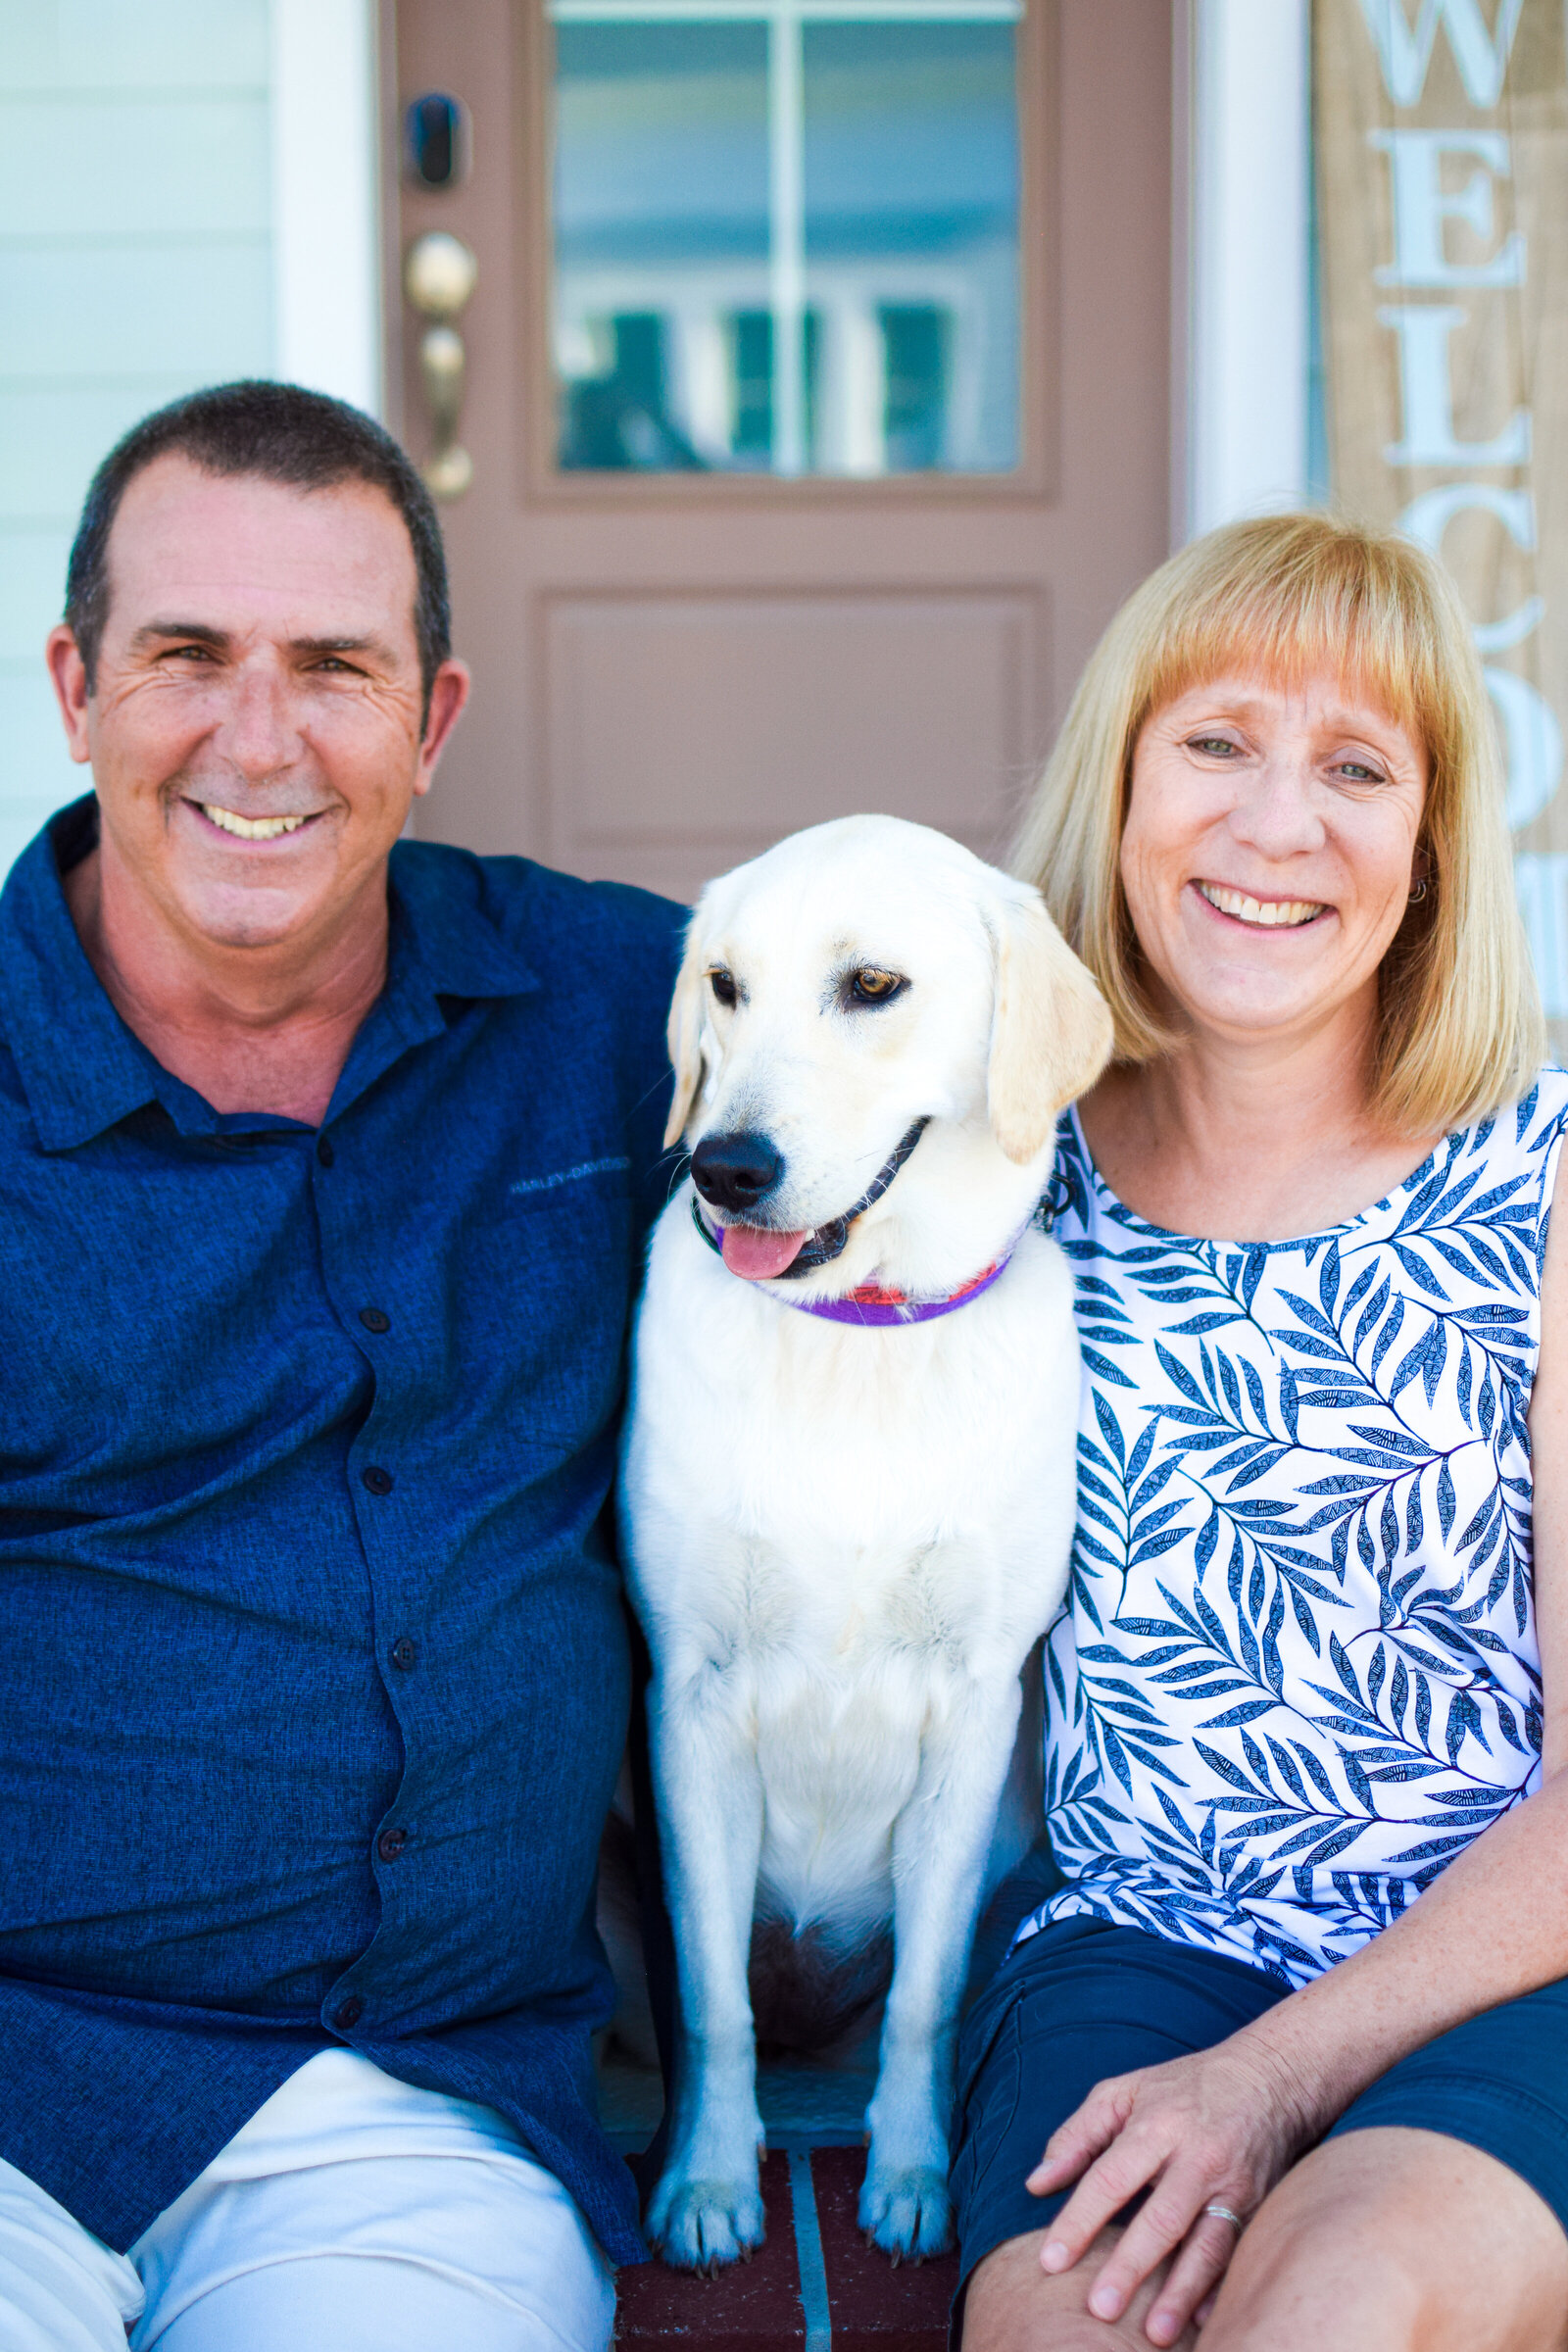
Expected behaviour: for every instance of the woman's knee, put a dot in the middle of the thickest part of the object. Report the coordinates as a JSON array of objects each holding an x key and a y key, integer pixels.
[
  {"x": 1402, "y": 2239},
  {"x": 1012, "y": 2305}
]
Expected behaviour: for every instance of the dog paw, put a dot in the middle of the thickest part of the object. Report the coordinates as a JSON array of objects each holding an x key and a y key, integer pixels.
[
  {"x": 906, "y": 2211},
  {"x": 705, "y": 2225}
]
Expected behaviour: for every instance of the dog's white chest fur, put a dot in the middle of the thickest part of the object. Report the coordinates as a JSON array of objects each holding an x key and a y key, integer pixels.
[{"x": 841, "y": 1532}]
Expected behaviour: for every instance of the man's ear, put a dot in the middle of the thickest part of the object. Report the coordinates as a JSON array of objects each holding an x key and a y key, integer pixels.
[
  {"x": 449, "y": 692},
  {"x": 1051, "y": 1032},
  {"x": 68, "y": 674},
  {"x": 685, "y": 1032}
]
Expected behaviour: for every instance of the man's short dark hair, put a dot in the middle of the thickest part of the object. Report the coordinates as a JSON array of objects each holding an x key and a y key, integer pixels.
[{"x": 279, "y": 433}]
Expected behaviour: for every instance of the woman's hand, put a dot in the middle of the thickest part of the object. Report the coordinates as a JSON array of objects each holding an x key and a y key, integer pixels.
[{"x": 1219, "y": 2127}]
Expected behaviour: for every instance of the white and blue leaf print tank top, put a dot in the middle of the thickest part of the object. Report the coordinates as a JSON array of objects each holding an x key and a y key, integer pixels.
[{"x": 1297, "y": 1670}]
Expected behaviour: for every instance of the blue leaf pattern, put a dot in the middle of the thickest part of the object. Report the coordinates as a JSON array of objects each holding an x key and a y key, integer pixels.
[{"x": 1296, "y": 1672}]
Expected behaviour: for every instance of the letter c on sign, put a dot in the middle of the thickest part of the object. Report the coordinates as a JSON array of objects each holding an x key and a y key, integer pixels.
[
  {"x": 1532, "y": 735},
  {"x": 1427, "y": 517}
]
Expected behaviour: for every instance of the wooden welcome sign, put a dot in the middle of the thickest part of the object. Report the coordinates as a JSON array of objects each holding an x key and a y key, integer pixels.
[{"x": 1441, "y": 151}]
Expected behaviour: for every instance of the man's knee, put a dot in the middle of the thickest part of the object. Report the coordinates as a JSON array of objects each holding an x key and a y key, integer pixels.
[
  {"x": 348, "y": 2303},
  {"x": 60, "y": 2290}
]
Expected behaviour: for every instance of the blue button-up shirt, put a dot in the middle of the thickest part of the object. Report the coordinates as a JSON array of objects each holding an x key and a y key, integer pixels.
[{"x": 312, "y": 1663}]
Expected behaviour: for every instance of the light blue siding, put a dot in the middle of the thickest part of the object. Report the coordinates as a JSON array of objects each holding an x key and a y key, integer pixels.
[
  {"x": 136, "y": 264},
  {"x": 29, "y": 584},
  {"x": 130, "y": 45},
  {"x": 51, "y": 437},
  {"x": 157, "y": 309},
  {"x": 89, "y": 164}
]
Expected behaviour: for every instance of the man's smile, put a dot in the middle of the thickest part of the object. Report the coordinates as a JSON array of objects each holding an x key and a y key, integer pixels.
[{"x": 252, "y": 828}]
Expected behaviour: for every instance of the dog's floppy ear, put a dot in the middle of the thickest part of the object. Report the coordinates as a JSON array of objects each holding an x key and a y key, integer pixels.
[
  {"x": 1050, "y": 1033},
  {"x": 685, "y": 1033}
]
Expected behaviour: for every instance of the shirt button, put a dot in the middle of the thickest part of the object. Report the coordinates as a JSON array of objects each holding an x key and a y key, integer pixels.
[
  {"x": 347, "y": 2014},
  {"x": 378, "y": 1481},
  {"x": 390, "y": 1844},
  {"x": 403, "y": 1653},
  {"x": 325, "y": 1151},
  {"x": 374, "y": 1319}
]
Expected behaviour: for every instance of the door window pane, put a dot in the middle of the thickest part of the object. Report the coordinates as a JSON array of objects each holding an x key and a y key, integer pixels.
[
  {"x": 661, "y": 241},
  {"x": 786, "y": 240}
]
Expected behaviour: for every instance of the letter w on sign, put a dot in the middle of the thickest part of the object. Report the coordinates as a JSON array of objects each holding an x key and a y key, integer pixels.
[{"x": 1405, "y": 53}]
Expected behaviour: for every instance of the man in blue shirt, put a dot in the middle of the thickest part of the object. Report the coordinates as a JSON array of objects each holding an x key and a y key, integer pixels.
[{"x": 324, "y": 1163}]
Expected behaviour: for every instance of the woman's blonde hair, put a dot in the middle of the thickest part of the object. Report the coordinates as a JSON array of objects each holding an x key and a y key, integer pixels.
[{"x": 1460, "y": 1029}]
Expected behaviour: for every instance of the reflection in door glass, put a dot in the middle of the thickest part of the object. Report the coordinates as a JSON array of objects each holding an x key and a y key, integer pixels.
[{"x": 786, "y": 236}]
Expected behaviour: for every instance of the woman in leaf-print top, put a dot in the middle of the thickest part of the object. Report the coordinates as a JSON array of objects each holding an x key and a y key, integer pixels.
[
  {"x": 1298, "y": 1672},
  {"x": 1306, "y": 1756}
]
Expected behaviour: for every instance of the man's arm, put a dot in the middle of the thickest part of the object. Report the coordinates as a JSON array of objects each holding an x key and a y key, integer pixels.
[{"x": 655, "y": 932}]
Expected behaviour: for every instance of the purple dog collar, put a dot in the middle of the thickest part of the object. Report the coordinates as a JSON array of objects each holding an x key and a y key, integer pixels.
[
  {"x": 879, "y": 1310},
  {"x": 870, "y": 1306}
]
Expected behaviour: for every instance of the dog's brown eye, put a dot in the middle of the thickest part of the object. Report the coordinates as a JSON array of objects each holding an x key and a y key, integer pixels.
[
  {"x": 722, "y": 984},
  {"x": 871, "y": 985}
]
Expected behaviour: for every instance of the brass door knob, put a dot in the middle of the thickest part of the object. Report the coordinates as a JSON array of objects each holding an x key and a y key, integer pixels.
[{"x": 439, "y": 274}]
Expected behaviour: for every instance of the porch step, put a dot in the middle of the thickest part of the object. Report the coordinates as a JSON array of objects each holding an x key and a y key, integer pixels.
[{"x": 815, "y": 2286}]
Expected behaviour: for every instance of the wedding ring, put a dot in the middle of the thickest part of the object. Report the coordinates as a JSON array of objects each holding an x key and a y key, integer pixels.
[{"x": 1223, "y": 2213}]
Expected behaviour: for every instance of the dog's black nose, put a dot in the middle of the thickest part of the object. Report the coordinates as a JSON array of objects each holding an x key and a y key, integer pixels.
[{"x": 735, "y": 1171}]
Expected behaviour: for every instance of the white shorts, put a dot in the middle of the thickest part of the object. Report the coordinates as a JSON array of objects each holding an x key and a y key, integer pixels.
[{"x": 352, "y": 2214}]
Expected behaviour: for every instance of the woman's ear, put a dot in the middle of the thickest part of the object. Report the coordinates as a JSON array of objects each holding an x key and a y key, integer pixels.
[
  {"x": 1051, "y": 1032},
  {"x": 685, "y": 1032}
]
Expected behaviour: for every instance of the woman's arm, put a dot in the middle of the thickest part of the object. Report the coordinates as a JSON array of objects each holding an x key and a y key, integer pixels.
[{"x": 1224, "y": 2125}]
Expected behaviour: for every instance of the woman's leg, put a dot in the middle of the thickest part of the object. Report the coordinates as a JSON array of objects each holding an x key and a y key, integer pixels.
[
  {"x": 1012, "y": 2305},
  {"x": 1403, "y": 2239},
  {"x": 1080, "y": 2001},
  {"x": 1436, "y": 2212},
  {"x": 1435, "y": 2215}
]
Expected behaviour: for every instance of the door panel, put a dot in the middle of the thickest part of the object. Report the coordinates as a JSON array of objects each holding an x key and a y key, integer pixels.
[
  {"x": 689, "y": 729},
  {"x": 676, "y": 663}
]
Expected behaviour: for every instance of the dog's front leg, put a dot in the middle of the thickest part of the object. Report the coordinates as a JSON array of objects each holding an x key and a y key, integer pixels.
[
  {"x": 707, "y": 2210},
  {"x": 940, "y": 1843}
]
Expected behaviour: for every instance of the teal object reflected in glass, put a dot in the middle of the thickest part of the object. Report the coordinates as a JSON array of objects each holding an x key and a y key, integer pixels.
[{"x": 786, "y": 240}]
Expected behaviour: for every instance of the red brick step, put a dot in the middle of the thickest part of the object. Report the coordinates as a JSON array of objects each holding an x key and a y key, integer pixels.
[
  {"x": 875, "y": 2307},
  {"x": 814, "y": 2286}
]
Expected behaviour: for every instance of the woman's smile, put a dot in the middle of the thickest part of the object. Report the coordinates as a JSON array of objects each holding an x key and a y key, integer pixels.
[{"x": 1260, "y": 913}]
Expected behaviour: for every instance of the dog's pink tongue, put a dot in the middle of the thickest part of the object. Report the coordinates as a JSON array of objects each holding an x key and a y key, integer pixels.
[{"x": 755, "y": 1256}]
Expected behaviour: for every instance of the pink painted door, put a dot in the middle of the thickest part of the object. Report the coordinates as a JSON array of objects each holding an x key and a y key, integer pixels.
[{"x": 818, "y": 401}]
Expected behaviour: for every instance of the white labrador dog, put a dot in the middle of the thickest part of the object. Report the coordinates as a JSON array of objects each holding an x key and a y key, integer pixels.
[{"x": 848, "y": 1484}]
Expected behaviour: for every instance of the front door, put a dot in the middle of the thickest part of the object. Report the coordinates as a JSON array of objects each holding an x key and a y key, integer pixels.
[{"x": 816, "y": 399}]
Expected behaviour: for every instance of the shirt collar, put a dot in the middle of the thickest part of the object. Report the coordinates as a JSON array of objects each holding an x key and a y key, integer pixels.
[
  {"x": 83, "y": 1070},
  {"x": 442, "y": 943},
  {"x": 81, "y": 1066},
  {"x": 442, "y": 930}
]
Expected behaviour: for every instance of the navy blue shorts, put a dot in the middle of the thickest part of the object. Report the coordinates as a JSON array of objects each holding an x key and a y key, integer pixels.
[{"x": 1084, "y": 1999}]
